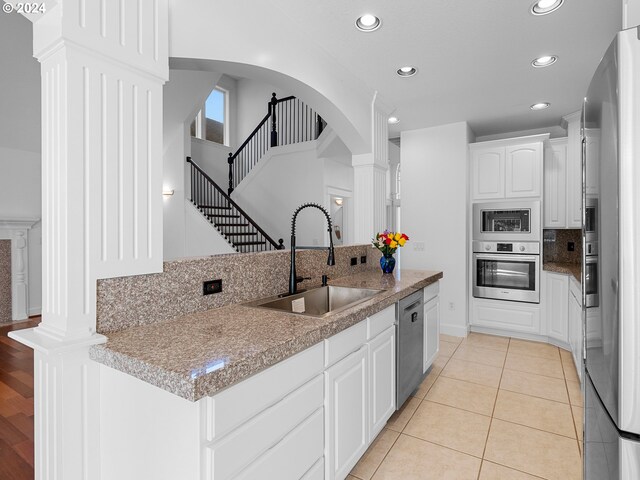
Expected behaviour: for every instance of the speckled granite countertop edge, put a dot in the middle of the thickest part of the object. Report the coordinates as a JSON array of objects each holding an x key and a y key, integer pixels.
[
  {"x": 574, "y": 269},
  {"x": 121, "y": 352}
]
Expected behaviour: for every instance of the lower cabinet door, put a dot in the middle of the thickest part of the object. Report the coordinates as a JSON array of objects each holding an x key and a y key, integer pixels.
[
  {"x": 431, "y": 332},
  {"x": 575, "y": 332},
  {"x": 346, "y": 414},
  {"x": 382, "y": 375},
  {"x": 557, "y": 306}
]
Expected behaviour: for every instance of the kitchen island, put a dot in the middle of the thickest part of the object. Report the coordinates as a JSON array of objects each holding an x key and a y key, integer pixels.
[{"x": 244, "y": 392}]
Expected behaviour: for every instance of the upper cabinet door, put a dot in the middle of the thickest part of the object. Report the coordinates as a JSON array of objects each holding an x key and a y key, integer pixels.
[
  {"x": 487, "y": 173},
  {"x": 523, "y": 168},
  {"x": 555, "y": 177}
]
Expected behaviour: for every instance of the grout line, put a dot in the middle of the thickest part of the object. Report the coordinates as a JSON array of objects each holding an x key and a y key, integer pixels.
[
  {"x": 532, "y": 373},
  {"x": 537, "y": 396},
  {"x": 441, "y": 445},
  {"x": 511, "y": 468}
]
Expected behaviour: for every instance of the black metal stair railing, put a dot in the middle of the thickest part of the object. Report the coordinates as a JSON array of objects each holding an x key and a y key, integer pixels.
[
  {"x": 230, "y": 220},
  {"x": 287, "y": 121}
]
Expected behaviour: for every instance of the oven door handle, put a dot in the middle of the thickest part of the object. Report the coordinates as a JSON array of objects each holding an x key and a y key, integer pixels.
[{"x": 507, "y": 257}]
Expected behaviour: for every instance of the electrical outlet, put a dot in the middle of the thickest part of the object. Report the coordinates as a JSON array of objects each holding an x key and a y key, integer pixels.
[
  {"x": 418, "y": 246},
  {"x": 211, "y": 286},
  {"x": 354, "y": 261},
  {"x": 571, "y": 247},
  {"x": 363, "y": 259}
]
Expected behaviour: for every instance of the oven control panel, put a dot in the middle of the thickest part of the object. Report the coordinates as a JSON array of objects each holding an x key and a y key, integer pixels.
[{"x": 529, "y": 248}]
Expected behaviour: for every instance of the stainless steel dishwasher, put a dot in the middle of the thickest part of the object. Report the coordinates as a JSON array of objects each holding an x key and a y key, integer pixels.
[{"x": 409, "y": 338}]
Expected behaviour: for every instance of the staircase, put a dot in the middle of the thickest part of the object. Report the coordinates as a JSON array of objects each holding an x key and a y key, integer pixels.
[
  {"x": 226, "y": 216},
  {"x": 288, "y": 121}
]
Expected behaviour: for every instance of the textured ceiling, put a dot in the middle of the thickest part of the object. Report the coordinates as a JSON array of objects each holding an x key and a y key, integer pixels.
[{"x": 473, "y": 56}]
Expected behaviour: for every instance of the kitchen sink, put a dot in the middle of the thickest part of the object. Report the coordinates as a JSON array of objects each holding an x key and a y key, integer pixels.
[{"x": 317, "y": 302}]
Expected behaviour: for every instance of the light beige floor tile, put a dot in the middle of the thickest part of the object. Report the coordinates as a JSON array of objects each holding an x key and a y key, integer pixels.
[
  {"x": 578, "y": 415},
  {"x": 535, "y": 349},
  {"x": 450, "y": 338},
  {"x": 372, "y": 458},
  {"x": 450, "y": 427},
  {"x": 575, "y": 394},
  {"x": 414, "y": 459},
  {"x": 447, "y": 348},
  {"x": 535, "y": 385},
  {"x": 399, "y": 419},
  {"x": 465, "y": 395},
  {"x": 440, "y": 362},
  {"x": 565, "y": 354},
  {"x": 426, "y": 384},
  {"x": 351, "y": 477},
  {"x": 569, "y": 368},
  {"x": 485, "y": 356},
  {"x": 472, "y": 372},
  {"x": 538, "y": 365},
  {"x": 547, "y": 455},
  {"x": 487, "y": 341},
  {"x": 547, "y": 415},
  {"x": 492, "y": 471}
]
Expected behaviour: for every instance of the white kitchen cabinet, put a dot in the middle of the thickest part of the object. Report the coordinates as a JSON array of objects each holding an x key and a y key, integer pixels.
[
  {"x": 555, "y": 184},
  {"x": 523, "y": 165},
  {"x": 510, "y": 168},
  {"x": 346, "y": 414},
  {"x": 382, "y": 380},
  {"x": 487, "y": 173},
  {"x": 506, "y": 316},
  {"x": 557, "y": 306},
  {"x": 431, "y": 325},
  {"x": 574, "y": 171},
  {"x": 575, "y": 324}
]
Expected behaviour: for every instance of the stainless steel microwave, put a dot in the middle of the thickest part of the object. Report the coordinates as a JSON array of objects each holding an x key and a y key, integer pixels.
[{"x": 517, "y": 221}]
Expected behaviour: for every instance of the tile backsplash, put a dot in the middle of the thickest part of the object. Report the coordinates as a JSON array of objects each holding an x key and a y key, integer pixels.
[
  {"x": 145, "y": 299},
  {"x": 555, "y": 245}
]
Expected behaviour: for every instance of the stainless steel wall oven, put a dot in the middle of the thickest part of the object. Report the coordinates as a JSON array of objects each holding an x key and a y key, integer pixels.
[{"x": 507, "y": 271}]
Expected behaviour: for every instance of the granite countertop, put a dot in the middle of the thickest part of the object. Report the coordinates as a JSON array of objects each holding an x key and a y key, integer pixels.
[
  {"x": 199, "y": 354},
  {"x": 574, "y": 269}
]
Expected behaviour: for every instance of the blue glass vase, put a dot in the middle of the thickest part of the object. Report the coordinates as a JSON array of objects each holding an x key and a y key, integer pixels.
[{"x": 387, "y": 263}]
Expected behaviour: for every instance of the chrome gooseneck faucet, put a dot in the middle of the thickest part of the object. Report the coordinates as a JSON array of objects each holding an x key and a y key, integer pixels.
[{"x": 293, "y": 278}]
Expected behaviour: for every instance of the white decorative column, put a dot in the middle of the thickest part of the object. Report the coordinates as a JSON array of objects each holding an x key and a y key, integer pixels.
[
  {"x": 369, "y": 178},
  {"x": 104, "y": 63},
  {"x": 630, "y": 13}
]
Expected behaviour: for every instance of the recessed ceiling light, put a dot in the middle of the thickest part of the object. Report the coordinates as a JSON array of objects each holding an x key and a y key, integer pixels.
[
  {"x": 407, "y": 71},
  {"x": 368, "y": 23},
  {"x": 393, "y": 120},
  {"x": 542, "y": 7},
  {"x": 544, "y": 61},
  {"x": 540, "y": 106}
]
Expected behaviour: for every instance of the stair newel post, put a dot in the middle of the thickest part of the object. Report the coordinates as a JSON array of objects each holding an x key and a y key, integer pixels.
[
  {"x": 272, "y": 108},
  {"x": 230, "y": 162}
]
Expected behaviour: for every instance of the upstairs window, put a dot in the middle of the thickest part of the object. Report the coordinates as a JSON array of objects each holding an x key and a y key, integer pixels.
[{"x": 211, "y": 122}]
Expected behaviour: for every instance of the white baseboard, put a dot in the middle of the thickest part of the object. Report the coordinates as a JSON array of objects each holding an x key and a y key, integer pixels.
[
  {"x": 520, "y": 335},
  {"x": 454, "y": 330},
  {"x": 35, "y": 311}
]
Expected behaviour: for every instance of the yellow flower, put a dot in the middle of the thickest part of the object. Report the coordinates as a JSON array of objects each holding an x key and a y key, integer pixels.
[
  {"x": 393, "y": 244},
  {"x": 390, "y": 235},
  {"x": 401, "y": 242},
  {"x": 397, "y": 236}
]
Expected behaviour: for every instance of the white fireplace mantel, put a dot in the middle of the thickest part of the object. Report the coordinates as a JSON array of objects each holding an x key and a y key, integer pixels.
[{"x": 17, "y": 230}]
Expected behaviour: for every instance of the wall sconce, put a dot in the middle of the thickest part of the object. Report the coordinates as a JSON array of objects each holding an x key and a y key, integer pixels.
[
  {"x": 167, "y": 192},
  {"x": 338, "y": 201}
]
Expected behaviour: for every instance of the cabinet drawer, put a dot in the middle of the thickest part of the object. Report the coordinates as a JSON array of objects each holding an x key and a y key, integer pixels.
[
  {"x": 379, "y": 322},
  {"x": 507, "y": 316},
  {"x": 234, "y": 406},
  {"x": 292, "y": 457},
  {"x": 345, "y": 342},
  {"x": 431, "y": 291},
  {"x": 238, "y": 449}
]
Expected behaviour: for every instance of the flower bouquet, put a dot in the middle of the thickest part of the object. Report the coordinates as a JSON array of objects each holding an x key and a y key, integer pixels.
[{"x": 388, "y": 242}]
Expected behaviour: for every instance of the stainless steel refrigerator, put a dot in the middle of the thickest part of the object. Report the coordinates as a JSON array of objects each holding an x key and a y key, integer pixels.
[{"x": 611, "y": 267}]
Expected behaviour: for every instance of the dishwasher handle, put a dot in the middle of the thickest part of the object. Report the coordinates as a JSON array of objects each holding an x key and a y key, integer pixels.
[
  {"x": 414, "y": 317},
  {"x": 413, "y": 305}
]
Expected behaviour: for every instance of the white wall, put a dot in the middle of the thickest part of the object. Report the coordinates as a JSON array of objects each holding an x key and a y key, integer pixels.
[
  {"x": 252, "y": 98},
  {"x": 434, "y": 213},
  {"x": 201, "y": 238},
  {"x": 20, "y": 197}
]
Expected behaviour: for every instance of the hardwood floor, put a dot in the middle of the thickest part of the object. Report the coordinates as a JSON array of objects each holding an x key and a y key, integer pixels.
[{"x": 16, "y": 405}]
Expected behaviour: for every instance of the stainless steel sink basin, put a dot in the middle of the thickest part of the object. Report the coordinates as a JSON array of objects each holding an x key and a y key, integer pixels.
[{"x": 317, "y": 302}]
